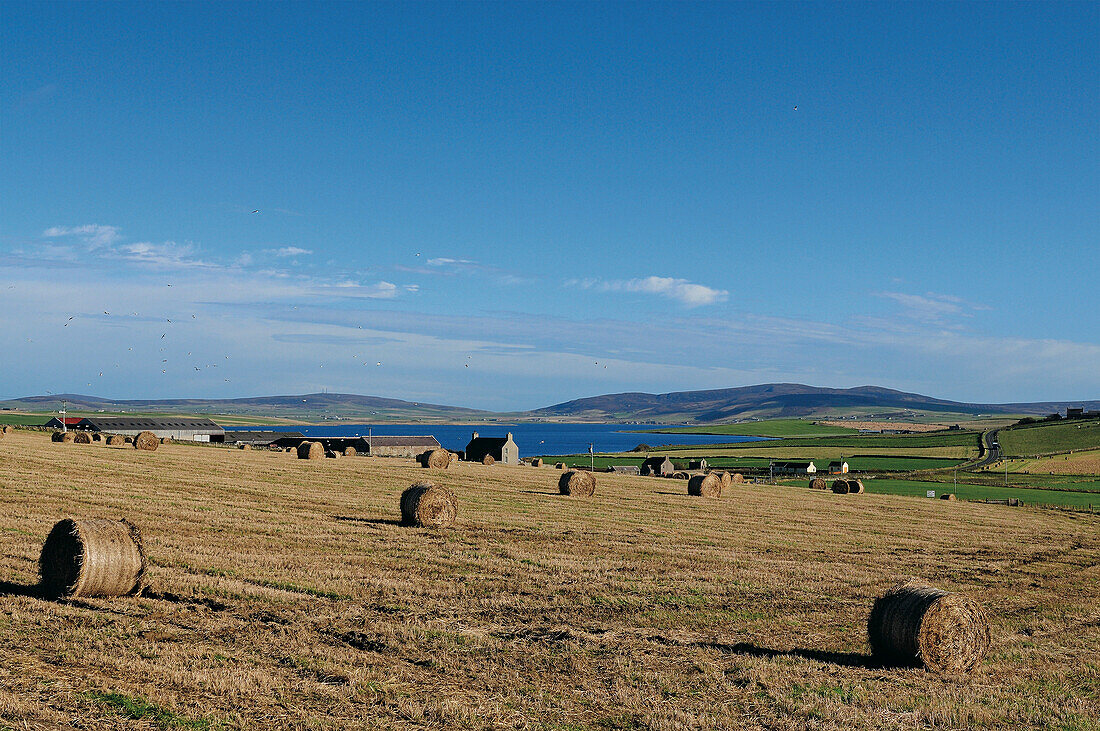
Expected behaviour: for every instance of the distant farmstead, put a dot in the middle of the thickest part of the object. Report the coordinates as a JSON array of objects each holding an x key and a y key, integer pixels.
[
  {"x": 838, "y": 468},
  {"x": 185, "y": 430},
  {"x": 501, "y": 449},
  {"x": 658, "y": 466},
  {"x": 793, "y": 468},
  {"x": 398, "y": 446},
  {"x": 69, "y": 422}
]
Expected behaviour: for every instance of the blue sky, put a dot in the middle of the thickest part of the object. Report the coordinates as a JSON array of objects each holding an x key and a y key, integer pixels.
[{"x": 511, "y": 205}]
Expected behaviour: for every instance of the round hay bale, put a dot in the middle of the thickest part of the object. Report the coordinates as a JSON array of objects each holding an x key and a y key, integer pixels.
[
  {"x": 855, "y": 487},
  {"x": 559, "y": 465},
  {"x": 166, "y": 440},
  {"x": 65, "y": 437},
  {"x": 427, "y": 505},
  {"x": 705, "y": 486},
  {"x": 115, "y": 440},
  {"x": 453, "y": 459},
  {"x": 577, "y": 482},
  {"x": 333, "y": 454},
  {"x": 289, "y": 449},
  {"x": 311, "y": 450},
  {"x": 681, "y": 476},
  {"x": 737, "y": 477},
  {"x": 146, "y": 441},
  {"x": 437, "y": 459},
  {"x": 536, "y": 462},
  {"x": 948, "y": 496},
  {"x": 818, "y": 483},
  {"x": 92, "y": 557},
  {"x": 724, "y": 477},
  {"x": 840, "y": 487},
  {"x": 82, "y": 437},
  {"x": 488, "y": 460},
  {"x": 350, "y": 452},
  {"x": 916, "y": 623},
  {"x": 244, "y": 447},
  {"x": 8, "y": 428}
]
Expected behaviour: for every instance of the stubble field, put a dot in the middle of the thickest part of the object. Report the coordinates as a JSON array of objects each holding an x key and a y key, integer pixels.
[{"x": 285, "y": 595}]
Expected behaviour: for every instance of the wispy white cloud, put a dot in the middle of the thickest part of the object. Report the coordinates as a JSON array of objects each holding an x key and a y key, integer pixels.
[
  {"x": 443, "y": 261},
  {"x": 287, "y": 251},
  {"x": 93, "y": 234},
  {"x": 683, "y": 291},
  {"x": 932, "y": 307},
  {"x": 168, "y": 254}
]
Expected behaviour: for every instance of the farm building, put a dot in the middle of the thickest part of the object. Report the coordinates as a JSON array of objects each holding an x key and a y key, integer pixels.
[
  {"x": 397, "y": 446},
  {"x": 793, "y": 468},
  {"x": 838, "y": 468},
  {"x": 260, "y": 438},
  {"x": 659, "y": 466},
  {"x": 625, "y": 469},
  {"x": 186, "y": 430},
  {"x": 68, "y": 422},
  {"x": 501, "y": 449}
]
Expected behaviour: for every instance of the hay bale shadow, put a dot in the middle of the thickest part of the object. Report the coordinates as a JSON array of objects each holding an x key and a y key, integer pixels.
[
  {"x": 843, "y": 659},
  {"x": 10, "y": 588},
  {"x": 372, "y": 521}
]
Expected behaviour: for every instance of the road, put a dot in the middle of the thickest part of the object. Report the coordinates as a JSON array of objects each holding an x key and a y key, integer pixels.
[{"x": 992, "y": 450}]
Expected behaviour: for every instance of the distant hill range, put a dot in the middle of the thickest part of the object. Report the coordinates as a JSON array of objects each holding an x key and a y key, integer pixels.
[
  {"x": 774, "y": 400},
  {"x": 699, "y": 407}
]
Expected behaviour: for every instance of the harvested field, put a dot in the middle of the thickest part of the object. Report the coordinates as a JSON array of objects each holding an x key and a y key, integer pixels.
[
  {"x": 880, "y": 425},
  {"x": 286, "y": 596},
  {"x": 1086, "y": 462}
]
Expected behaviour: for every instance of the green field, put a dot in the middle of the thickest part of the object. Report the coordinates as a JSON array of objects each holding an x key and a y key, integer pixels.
[
  {"x": 769, "y": 428},
  {"x": 1045, "y": 438},
  {"x": 856, "y": 463},
  {"x": 21, "y": 419},
  {"x": 915, "y": 488}
]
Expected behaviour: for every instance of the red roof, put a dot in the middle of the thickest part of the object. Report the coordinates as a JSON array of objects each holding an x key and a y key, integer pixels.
[{"x": 73, "y": 420}]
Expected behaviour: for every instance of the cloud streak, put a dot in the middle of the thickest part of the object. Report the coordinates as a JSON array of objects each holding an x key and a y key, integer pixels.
[{"x": 683, "y": 291}]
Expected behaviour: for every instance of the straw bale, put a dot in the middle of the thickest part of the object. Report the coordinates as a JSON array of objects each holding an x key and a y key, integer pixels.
[
  {"x": 311, "y": 450},
  {"x": 948, "y": 496},
  {"x": 333, "y": 454},
  {"x": 681, "y": 475},
  {"x": 82, "y": 437},
  {"x": 737, "y": 477},
  {"x": 559, "y": 465},
  {"x": 244, "y": 447},
  {"x": 488, "y": 460},
  {"x": 92, "y": 557},
  {"x": 427, "y": 505},
  {"x": 705, "y": 486},
  {"x": 915, "y": 623},
  {"x": 8, "y": 428},
  {"x": 581, "y": 483},
  {"x": 166, "y": 440},
  {"x": 818, "y": 483},
  {"x": 436, "y": 459},
  {"x": 146, "y": 441},
  {"x": 115, "y": 440},
  {"x": 350, "y": 452},
  {"x": 840, "y": 487},
  {"x": 454, "y": 458},
  {"x": 536, "y": 462},
  {"x": 855, "y": 487}
]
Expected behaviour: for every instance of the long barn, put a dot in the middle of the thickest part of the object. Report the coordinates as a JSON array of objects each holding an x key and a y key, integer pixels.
[{"x": 185, "y": 430}]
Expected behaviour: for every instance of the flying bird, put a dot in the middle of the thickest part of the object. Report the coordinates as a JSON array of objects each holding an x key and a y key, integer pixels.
[{"x": 256, "y": 211}]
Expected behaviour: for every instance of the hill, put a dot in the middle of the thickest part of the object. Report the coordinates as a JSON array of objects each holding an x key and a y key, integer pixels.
[
  {"x": 310, "y": 406},
  {"x": 779, "y": 400}
]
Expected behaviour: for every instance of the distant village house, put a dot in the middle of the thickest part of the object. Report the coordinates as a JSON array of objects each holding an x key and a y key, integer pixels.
[
  {"x": 657, "y": 466},
  {"x": 501, "y": 449},
  {"x": 793, "y": 468}
]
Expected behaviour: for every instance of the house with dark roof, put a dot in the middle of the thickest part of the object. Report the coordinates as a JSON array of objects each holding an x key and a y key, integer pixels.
[
  {"x": 173, "y": 427},
  {"x": 658, "y": 466},
  {"x": 838, "y": 467},
  {"x": 501, "y": 449},
  {"x": 793, "y": 468}
]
